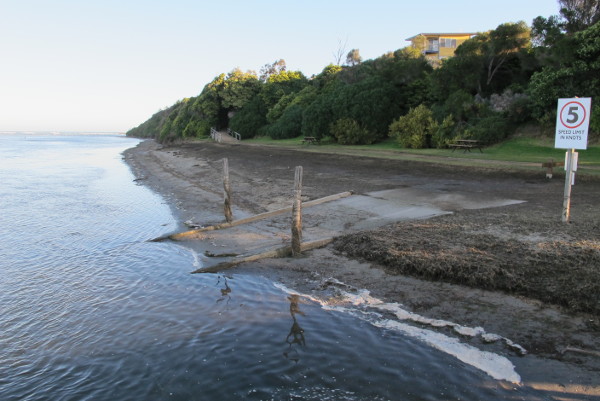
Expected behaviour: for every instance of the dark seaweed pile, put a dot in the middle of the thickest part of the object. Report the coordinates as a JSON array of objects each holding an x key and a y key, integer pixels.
[{"x": 548, "y": 261}]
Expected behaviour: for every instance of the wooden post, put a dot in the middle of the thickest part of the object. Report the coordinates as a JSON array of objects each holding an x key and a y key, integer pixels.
[
  {"x": 227, "y": 192},
  {"x": 569, "y": 162},
  {"x": 297, "y": 214},
  {"x": 550, "y": 168}
]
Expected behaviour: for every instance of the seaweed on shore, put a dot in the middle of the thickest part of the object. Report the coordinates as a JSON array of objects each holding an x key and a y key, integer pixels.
[{"x": 560, "y": 272}]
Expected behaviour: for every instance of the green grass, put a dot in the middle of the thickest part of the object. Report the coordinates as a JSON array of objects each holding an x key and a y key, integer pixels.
[{"x": 518, "y": 149}]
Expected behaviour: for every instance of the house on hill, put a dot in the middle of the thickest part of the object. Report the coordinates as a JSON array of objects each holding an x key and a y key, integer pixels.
[{"x": 438, "y": 46}]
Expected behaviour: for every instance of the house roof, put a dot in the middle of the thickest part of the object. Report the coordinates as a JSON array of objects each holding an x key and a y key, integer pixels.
[{"x": 443, "y": 34}]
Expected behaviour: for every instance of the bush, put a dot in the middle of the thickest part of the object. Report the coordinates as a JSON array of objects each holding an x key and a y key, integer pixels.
[
  {"x": 250, "y": 119},
  {"x": 491, "y": 129},
  {"x": 196, "y": 129},
  {"x": 289, "y": 125},
  {"x": 349, "y": 132},
  {"x": 415, "y": 129},
  {"x": 317, "y": 117},
  {"x": 595, "y": 121},
  {"x": 444, "y": 133}
]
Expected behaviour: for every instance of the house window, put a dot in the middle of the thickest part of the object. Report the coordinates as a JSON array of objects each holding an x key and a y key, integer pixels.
[
  {"x": 446, "y": 42},
  {"x": 433, "y": 45}
]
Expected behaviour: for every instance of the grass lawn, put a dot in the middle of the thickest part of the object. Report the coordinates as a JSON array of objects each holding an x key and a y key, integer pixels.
[{"x": 522, "y": 150}]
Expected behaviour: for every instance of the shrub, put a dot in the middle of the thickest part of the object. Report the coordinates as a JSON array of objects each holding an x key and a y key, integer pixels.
[
  {"x": 250, "y": 119},
  {"x": 289, "y": 125},
  {"x": 444, "y": 132},
  {"x": 349, "y": 132},
  {"x": 415, "y": 129},
  {"x": 490, "y": 129},
  {"x": 196, "y": 129},
  {"x": 317, "y": 117}
]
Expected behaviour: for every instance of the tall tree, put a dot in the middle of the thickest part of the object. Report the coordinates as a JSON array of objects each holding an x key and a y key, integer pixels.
[
  {"x": 353, "y": 58},
  {"x": 339, "y": 53},
  {"x": 496, "y": 48},
  {"x": 238, "y": 88},
  {"x": 579, "y": 14},
  {"x": 276, "y": 67}
]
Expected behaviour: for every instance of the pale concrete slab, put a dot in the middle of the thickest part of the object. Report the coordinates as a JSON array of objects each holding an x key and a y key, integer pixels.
[{"x": 351, "y": 214}]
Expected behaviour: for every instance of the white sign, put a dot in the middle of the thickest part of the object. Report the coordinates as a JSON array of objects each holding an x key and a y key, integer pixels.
[{"x": 572, "y": 123}]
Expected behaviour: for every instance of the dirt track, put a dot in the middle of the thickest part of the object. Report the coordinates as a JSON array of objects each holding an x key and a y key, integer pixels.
[{"x": 517, "y": 250}]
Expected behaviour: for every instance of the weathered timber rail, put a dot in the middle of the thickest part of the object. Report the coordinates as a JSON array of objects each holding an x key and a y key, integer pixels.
[{"x": 261, "y": 216}]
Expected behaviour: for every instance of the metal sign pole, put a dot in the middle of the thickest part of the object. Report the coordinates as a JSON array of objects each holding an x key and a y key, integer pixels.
[
  {"x": 569, "y": 158},
  {"x": 572, "y": 123}
]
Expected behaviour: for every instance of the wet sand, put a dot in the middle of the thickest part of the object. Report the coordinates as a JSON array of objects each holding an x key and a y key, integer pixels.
[{"x": 520, "y": 206}]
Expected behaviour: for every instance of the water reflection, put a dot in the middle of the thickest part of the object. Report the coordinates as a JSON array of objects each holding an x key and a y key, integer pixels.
[
  {"x": 296, "y": 334},
  {"x": 224, "y": 291}
]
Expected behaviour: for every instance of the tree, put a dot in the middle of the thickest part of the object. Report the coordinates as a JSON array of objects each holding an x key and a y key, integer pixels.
[
  {"x": 353, "y": 58},
  {"x": 250, "y": 120},
  {"x": 281, "y": 84},
  {"x": 238, "y": 88},
  {"x": 495, "y": 51},
  {"x": 267, "y": 70},
  {"x": 578, "y": 74},
  {"x": 546, "y": 32},
  {"x": 579, "y": 14},
  {"x": 339, "y": 53},
  {"x": 575, "y": 16}
]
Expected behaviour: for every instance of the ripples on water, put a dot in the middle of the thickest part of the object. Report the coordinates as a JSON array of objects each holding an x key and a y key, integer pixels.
[{"x": 90, "y": 311}]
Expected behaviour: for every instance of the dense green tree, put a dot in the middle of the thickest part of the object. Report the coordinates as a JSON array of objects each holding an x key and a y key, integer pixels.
[
  {"x": 492, "y": 53},
  {"x": 318, "y": 115},
  {"x": 578, "y": 75},
  {"x": 238, "y": 88},
  {"x": 327, "y": 76},
  {"x": 251, "y": 119},
  {"x": 579, "y": 14},
  {"x": 281, "y": 84}
]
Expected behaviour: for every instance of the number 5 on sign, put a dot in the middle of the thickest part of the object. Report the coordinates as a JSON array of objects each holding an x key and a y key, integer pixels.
[{"x": 572, "y": 123}]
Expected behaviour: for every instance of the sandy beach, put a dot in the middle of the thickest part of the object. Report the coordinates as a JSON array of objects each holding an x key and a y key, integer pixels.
[{"x": 447, "y": 243}]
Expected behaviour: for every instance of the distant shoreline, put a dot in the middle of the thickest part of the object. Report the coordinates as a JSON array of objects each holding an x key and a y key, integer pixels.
[{"x": 61, "y": 133}]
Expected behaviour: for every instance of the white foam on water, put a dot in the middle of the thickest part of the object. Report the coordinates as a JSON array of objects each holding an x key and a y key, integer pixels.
[
  {"x": 496, "y": 366},
  {"x": 196, "y": 263}
]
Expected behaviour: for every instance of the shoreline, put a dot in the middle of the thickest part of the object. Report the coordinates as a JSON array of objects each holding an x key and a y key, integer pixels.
[{"x": 189, "y": 179}]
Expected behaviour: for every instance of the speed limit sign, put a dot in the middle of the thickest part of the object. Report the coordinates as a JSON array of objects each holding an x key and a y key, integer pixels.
[{"x": 572, "y": 123}]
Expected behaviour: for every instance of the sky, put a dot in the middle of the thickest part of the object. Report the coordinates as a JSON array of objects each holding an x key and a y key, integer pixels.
[{"x": 109, "y": 65}]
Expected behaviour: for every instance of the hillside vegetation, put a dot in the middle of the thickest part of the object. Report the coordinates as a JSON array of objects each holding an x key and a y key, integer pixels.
[{"x": 497, "y": 81}]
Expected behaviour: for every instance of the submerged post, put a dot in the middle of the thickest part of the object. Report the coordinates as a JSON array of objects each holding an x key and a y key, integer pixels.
[
  {"x": 297, "y": 214},
  {"x": 227, "y": 192}
]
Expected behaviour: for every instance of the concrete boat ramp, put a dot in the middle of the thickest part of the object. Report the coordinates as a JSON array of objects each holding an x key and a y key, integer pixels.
[{"x": 269, "y": 235}]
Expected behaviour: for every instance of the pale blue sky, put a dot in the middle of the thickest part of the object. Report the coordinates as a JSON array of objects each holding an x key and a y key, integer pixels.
[{"x": 83, "y": 65}]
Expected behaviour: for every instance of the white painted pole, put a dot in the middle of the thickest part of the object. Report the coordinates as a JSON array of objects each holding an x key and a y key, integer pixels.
[{"x": 569, "y": 161}]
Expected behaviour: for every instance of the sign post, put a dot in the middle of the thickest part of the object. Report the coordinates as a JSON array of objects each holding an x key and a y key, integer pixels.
[{"x": 572, "y": 123}]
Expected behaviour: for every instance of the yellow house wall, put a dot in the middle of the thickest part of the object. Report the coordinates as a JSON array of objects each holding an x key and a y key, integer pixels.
[{"x": 449, "y": 51}]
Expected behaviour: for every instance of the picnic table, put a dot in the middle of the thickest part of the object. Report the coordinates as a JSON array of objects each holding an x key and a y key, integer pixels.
[
  {"x": 310, "y": 139},
  {"x": 466, "y": 145}
]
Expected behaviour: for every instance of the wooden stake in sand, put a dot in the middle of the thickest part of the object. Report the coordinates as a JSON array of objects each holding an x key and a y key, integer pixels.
[
  {"x": 266, "y": 215},
  {"x": 227, "y": 192},
  {"x": 297, "y": 214},
  {"x": 282, "y": 252}
]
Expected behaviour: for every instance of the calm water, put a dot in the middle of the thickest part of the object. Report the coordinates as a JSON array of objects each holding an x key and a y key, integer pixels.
[{"x": 91, "y": 311}]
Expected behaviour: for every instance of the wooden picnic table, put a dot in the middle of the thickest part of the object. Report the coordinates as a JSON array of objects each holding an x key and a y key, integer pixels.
[
  {"x": 310, "y": 139},
  {"x": 466, "y": 145}
]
